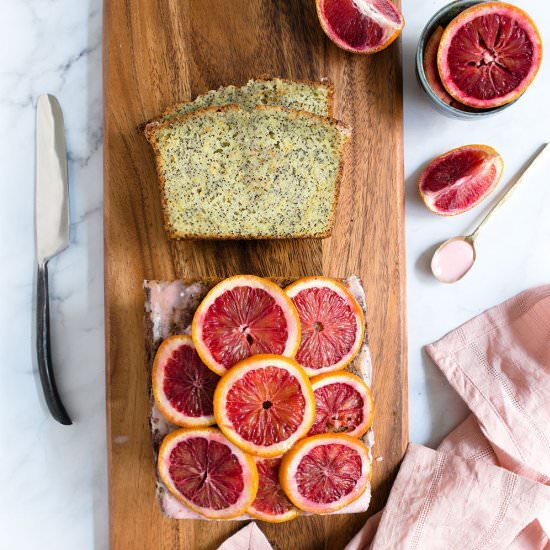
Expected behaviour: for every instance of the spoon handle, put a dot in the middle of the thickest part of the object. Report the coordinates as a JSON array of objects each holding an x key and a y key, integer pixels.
[{"x": 522, "y": 177}]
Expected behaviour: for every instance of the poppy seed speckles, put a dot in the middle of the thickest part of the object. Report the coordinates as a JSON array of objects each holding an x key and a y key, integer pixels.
[{"x": 230, "y": 172}]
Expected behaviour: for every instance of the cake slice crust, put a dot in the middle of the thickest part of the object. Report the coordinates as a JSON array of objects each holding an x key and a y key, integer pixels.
[{"x": 304, "y": 95}]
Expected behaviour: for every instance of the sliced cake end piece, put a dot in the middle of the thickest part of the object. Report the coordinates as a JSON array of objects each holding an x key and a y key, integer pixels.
[{"x": 315, "y": 97}]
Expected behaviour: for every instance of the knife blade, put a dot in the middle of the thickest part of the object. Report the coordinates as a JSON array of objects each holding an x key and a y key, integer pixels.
[
  {"x": 51, "y": 233},
  {"x": 52, "y": 190}
]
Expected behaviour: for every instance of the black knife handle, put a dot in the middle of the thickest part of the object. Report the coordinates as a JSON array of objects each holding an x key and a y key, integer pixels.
[{"x": 45, "y": 367}]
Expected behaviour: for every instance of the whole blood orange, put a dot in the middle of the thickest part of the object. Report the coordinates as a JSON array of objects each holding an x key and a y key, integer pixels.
[
  {"x": 271, "y": 503},
  {"x": 183, "y": 386},
  {"x": 343, "y": 404},
  {"x": 208, "y": 473},
  {"x": 325, "y": 472},
  {"x": 360, "y": 26},
  {"x": 489, "y": 54},
  {"x": 460, "y": 179},
  {"x": 264, "y": 404},
  {"x": 332, "y": 324},
  {"x": 242, "y": 316}
]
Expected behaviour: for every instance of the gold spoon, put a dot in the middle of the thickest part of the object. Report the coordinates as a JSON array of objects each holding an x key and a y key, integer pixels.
[{"x": 456, "y": 256}]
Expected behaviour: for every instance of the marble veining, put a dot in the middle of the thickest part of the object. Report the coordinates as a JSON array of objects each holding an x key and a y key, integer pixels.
[{"x": 53, "y": 478}]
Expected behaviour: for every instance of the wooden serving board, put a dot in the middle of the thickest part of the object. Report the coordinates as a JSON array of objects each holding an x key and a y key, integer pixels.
[{"x": 158, "y": 52}]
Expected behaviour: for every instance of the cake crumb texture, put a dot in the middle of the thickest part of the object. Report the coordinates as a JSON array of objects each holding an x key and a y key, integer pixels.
[{"x": 231, "y": 172}]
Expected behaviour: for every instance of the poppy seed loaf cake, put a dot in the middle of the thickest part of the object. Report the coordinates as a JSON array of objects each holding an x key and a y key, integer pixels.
[
  {"x": 231, "y": 173},
  {"x": 315, "y": 97}
]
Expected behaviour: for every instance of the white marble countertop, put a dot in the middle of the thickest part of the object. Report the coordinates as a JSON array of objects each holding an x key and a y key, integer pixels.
[{"x": 53, "y": 478}]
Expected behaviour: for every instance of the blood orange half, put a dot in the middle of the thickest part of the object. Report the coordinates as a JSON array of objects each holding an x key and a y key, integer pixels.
[
  {"x": 183, "y": 386},
  {"x": 208, "y": 473},
  {"x": 271, "y": 503},
  {"x": 360, "y": 26},
  {"x": 489, "y": 54},
  {"x": 242, "y": 316},
  {"x": 332, "y": 324},
  {"x": 460, "y": 179},
  {"x": 343, "y": 404},
  {"x": 264, "y": 404},
  {"x": 325, "y": 472}
]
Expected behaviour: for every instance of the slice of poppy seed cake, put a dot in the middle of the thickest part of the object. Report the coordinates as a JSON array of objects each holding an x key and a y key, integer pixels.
[
  {"x": 229, "y": 173},
  {"x": 315, "y": 97}
]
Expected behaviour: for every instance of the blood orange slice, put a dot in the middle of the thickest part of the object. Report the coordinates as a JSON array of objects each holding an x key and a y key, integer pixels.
[
  {"x": 360, "y": 26},
  {"x": 332, "y": 324},
  {"x": 460, "y": 179},
  {"x": 243, "y": 316},
  {"x": 325, "y": 472},
  {"x": 264, "y": 404},
  {"x": 183, "y": 386},
  {"x": 271, "y": 503},
  {"x": 208, "y": 473},
  {"x": 489, "y": 54},
  {"x": 343, "y": 404}
]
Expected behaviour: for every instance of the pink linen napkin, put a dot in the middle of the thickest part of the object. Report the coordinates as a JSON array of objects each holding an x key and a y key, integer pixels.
[
  {"x": 248, "y": 538},
  {"x": 488, "y": 482}
]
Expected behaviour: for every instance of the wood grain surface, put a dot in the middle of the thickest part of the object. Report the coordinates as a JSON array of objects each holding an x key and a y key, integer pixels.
[{"x": 158, "y": 52}]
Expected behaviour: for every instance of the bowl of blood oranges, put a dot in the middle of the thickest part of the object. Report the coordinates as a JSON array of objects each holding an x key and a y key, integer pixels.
[{"x": 476, "y": 58}]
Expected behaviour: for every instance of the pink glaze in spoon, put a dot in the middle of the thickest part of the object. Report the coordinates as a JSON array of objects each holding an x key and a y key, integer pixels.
[
  {"x": 456, "y": 256},
  {"x": 453, "y": 259}
]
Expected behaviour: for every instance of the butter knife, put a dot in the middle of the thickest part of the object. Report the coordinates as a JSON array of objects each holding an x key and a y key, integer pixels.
[{"x": 52, "y": 233}]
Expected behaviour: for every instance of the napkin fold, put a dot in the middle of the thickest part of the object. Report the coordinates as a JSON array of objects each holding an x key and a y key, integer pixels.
[
  {"x": 442, "y": 500},
  {"x": 488, "y": 483},
  {"x": 499, "y": 363},
  {"x": 249, "y": 537}
]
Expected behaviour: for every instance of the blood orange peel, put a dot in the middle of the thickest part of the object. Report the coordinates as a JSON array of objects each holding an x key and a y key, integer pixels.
[
  {"x": 264, "y": 404},
  {"x": 271, "y": 503},
  {"x": 332, "y": 324},
  {"x": 183, "y": 387},
  {"x": 460, "y": 179},
  {"x": 489, "y": 54},
  {"x": 325, "y": 472},
  {"x": 343, "y": 404},
  {"x": 429, "y": 64},
  {"x": 242, "y": 316},
  {"x": 207, "y": 472}
]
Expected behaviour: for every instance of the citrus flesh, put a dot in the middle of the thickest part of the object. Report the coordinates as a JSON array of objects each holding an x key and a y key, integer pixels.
[
  {"x": 332, "y": 324},
  {"x": 264, "y": 404},
  {"x": 489, "y": 54},
  {"x": 243, "y": 316},
  {"x": 325, "y": 472},
  {"x": 343, "y": 404},
  {"x": 271, "y": 503},
  {"x": 207, "y": 472},
  {"x": 460, "y": 179},
  {"x": 360, "y": 26},
  {"x": 183, "y": 386}
]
